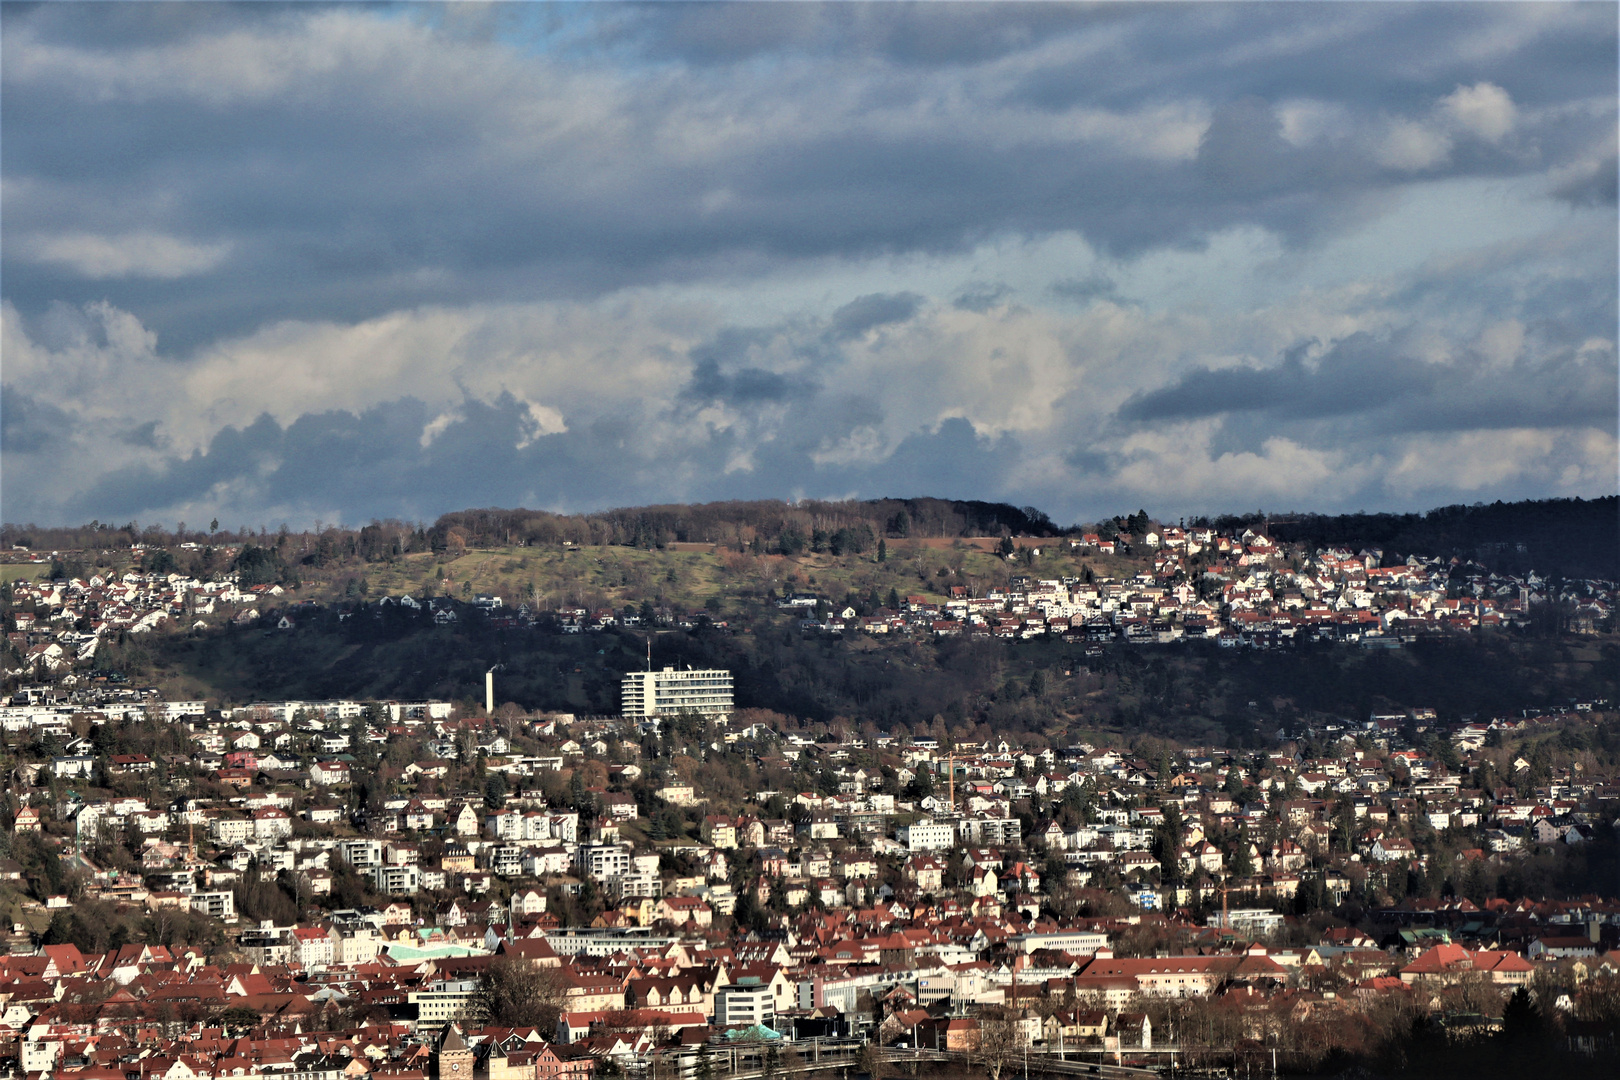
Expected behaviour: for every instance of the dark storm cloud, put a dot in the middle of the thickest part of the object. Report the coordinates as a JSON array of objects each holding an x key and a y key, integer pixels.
[
  {"x": 28, "y": 425},
  {"x": 723, "y": 370},
  {"x": 1596, "y": 183},
  {"x": 1085, "y": 288},
  {"x": 1366, "y": 380},
  {"x": 398, "y": 178},
  {"x": 981, "y": 298},
  {"x": 221, "y": 173},
  {"x": 954, "y": 460},
  {"x": 1243, "y": 149},
  {"x": 872, "y": 311},
  {"x": 909, "y": 33},
  {"x": 1375, "y": 55},
  {"x": 1357, "y": 375},
  {"x": 143, "y": 435},
  {"x": 366, "y": 463},
  {"x": 1094, "y": 463},
  {"x": 111, "y": 24},
  {"x": 374, "y": 464},
  {"x": 744, "y": 386}
]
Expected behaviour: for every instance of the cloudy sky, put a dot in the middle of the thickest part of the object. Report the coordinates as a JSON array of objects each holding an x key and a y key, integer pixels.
[{"x": 333, "y": 263}]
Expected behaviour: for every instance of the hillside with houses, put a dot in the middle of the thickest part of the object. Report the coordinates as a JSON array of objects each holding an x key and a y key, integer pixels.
[
  {"x": 1096, "y": 625},
  {"x": 1137, "y": 795}
]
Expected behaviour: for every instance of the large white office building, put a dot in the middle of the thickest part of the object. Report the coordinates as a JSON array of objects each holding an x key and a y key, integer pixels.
[
  {"x": 670, "y": 692},
  {"x": 924, "y": 835}
]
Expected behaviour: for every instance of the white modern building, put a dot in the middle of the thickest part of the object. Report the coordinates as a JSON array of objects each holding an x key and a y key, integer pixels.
[
  {"x": 216, "y": 905},
  {"x": 990, "y": 832},
  {"x": 670, "y": 692},
  {"x": 602, "y": 862},
  {"x": 744, "y": 1005},
  {"x": 396, "y": 880},
  {"x": 925, "y": 835},
  {"x": 1256, "y": 921},
  {"x": 1069, "y": 941}
]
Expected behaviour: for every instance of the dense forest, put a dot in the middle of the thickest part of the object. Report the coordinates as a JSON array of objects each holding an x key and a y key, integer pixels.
[
  {"x": 1192, "y": 692},
  {"x": 740, "y": 523},
  {"x": 648, "y": 526},
  {"x": 1558, "y": 537}
]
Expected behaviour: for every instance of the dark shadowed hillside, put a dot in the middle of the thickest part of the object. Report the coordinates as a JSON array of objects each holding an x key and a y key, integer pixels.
[
  {"x": 1559, "y": 537},
  {"x": 856, "y": 525}
]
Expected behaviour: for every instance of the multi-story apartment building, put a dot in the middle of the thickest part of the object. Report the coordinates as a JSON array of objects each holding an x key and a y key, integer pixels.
[
  {"x": 396, "y": 880},
  {"x": 603, "y": 862},
  {"x": 925, "y": 835},
  {"x": 669, "y": 692}
]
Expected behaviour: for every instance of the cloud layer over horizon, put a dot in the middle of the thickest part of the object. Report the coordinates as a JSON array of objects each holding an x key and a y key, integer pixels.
[{"x": 295, "y": 263}]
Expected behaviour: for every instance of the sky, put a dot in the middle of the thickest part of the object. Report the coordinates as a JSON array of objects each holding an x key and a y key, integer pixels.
[{"x": 325, "y": 264}]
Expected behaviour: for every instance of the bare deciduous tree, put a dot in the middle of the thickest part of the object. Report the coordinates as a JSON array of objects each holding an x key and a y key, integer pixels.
[
  {"x": 999, "y": 1041},
  {"x": 511, "y": 719},
  {"x": 517, "y": 993}
]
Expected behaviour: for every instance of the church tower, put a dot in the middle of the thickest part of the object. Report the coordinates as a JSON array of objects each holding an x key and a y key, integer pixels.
[{"x": 454, "y": 1061}]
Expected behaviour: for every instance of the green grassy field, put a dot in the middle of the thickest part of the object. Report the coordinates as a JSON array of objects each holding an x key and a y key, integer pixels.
[{"x": 10, "y": 572}]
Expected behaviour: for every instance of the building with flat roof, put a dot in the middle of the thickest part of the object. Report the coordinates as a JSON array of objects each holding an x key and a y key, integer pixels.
[
  {"x": 744, "y": 1005},
  {"x": 1258, "y": 921},
  {"x": 647, "y": 694},
  {"x": 1069, "y": 941},
  {"x": 572, "y": 940},
  {"x": 925, "y": 835}
]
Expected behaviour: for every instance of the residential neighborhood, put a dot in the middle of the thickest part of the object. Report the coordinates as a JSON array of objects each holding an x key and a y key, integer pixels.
[
  {"x": 716, "y": 874},
  {"x": 1193, "y": 584},
  {"x": 323, "y": 908}
]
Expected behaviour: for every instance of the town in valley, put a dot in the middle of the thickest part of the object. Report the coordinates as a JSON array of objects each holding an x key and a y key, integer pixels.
[{"x": 683, "y": 881}]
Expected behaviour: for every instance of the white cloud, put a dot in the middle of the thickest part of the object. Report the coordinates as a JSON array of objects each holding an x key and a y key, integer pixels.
[
  {"x": 575, "y": 358},
  {"x": 227, "y": 67},
  {"x": 1179, "y": 467},
  {"x": 1484, "y": 110},
  {"x": 1306, "y": 121},
  {"x": 1052, "y": 378},
  {"x": 101, "y": 364},
  {"x": 135, "y": 254},
  {"x": 864, "y": 445},
  {"x": 1502, "y": 343},
  {"x": 542, "y": 420},
  {"x": 469, "y": 211},
  {"x": 1412, "y": 146},
  {"x": 438, "y": 425},
  {"x": 1559, "y": 461}
]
